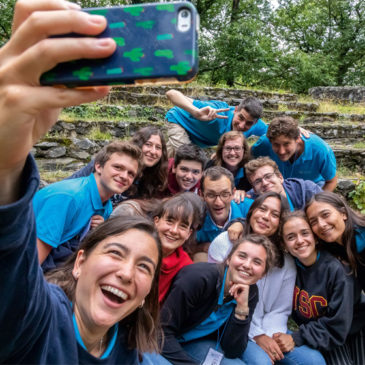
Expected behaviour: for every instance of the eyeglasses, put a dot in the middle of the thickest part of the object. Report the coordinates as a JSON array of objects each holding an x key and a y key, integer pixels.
[
  {"x": 266, "y": 177},
  {"x": 224, "y": 196},
  {"x": 235, "y": 149}
]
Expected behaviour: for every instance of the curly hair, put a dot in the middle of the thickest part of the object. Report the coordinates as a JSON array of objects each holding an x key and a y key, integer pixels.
[{"x": 283, "y": 126}]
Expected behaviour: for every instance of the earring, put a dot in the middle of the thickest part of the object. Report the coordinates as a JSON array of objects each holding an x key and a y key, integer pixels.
[
  {"x": 76, "y": 275},
  {"x": 142, "y": 304}
]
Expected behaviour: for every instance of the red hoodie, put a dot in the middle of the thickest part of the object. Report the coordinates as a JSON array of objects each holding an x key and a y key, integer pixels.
[{"x": 170, "y": 266}]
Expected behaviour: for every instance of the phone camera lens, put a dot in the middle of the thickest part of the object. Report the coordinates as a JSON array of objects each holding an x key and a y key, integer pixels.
[{"x": 184, "y": 14}]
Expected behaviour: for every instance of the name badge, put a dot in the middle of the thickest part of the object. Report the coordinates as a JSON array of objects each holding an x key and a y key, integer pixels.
[{"x": 213, "y": 357}]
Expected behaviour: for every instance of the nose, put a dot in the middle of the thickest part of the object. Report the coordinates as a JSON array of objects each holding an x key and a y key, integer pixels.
[
  {"x": 174, "y": 227},
  {"x": 265, "y": 214},
  {"x": 189, "y": 175},
  {"x": 321, "y": 223},
  {"x": 153, "y": 149},
  {"x": 126, "y": 271},
  {"x": 123, "y": 174},
  {"x": 281, "y": 150}
]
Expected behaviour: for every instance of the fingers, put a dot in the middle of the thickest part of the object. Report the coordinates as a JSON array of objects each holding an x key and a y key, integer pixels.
[
  {"x": 41, "y": 25},
  {"x": 239, "y": 196},
  {"x": 24, "y": 8},
  {"x": 219, "y": 116},
  {"x": 48, "y": 53}
]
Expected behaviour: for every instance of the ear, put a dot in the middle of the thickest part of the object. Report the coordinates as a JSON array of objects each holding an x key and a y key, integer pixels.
[
  {"x": 344, "y": 216},
  {"x": 156, "y": 219},
  {"x": 173, "y": 168},
  {"x": 98, "y": 168},
  {"x": 280, "y": 177},
  {"x": 233, "y": 191},
  {"x": 80, "y": 259}
]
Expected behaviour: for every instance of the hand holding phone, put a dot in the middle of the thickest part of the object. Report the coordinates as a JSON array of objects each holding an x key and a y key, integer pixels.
[{"x": 156, "y": 43}]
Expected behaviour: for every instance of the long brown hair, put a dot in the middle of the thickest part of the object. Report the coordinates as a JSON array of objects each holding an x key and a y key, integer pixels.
[
  {"x": 275, "y": 238},
  {"x": 353, "y": 220},
  {"x": 153, "y": 179},
  {"x": 143, "y": 323}
]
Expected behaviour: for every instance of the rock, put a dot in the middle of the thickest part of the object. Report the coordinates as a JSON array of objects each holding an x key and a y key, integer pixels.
[
  {"x": 344, "y": 187},
  {"x": 354, "y": 94},
  {"x": 56, "y": 152},
  {"x": 81, "y": 155},
  {"x": 46, "y": 145}
]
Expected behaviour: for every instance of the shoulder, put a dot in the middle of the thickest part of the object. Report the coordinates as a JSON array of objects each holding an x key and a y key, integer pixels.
[
  {"x": 262, "y": 142},
  {"x": 217, "y": 104},
  {"x": 316, "y": 143}
]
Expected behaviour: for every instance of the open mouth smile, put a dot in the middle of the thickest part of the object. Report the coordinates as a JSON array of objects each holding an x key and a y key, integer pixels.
[{"x": 113, "y": 294}]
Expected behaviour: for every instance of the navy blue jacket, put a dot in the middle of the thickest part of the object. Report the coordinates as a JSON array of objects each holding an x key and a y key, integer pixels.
[{"x": 35, "y": 316}]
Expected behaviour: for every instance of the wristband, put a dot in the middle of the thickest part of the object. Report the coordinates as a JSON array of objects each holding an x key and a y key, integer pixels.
[{"x": 242, "y": 313}]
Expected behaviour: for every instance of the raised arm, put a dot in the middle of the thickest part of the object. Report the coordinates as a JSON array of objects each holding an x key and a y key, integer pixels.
[
  {"x": 184, "y": 102},
  {"x": 28, "y": 110}
]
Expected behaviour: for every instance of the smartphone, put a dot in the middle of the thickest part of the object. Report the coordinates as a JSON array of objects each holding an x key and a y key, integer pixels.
[{"x": 156, "y": 43}]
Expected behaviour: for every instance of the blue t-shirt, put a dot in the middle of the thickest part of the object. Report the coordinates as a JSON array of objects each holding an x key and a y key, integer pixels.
[
  {"x": 317, "y": 162},
  {"x": 210, "y": 230},
  {"x": 360, "y": 239},
  {"x": 63, "y": 209},
  {"x": 207, "y": 134}
]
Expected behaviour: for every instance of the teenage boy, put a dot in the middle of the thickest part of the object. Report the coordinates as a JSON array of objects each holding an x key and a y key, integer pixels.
[
  {"x": 203, "y": 122},
  {"x": 185, "y": 169},
  {"x": 264, "y": 176},
  {"x": 305, "y": 158},
  {"x": 66, "y": 210},
  {"x": 217, "y": 186}
]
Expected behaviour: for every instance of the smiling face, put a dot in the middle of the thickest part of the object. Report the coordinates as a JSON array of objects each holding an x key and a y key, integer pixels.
[
  {"x": 326, "y": 221},
  {"x": 299, "y": 240},
  {"x": 232, "y": 153},
  {"x": 187, "y": 174},
  {"x": 264, "y": 179},
  {"x": 265, "y": 218},
  {"x": 242, "y": 121},
  {"x": 152, "y": 151},
  {"x": 285, "y": 147},
  {"x": 247, "y": 264},
  {"x": 116, "y": 176},
  {"x": 172, "y": 232},
  {"x": 114, "y": 279},
  {"x": 218, "y": 196}
]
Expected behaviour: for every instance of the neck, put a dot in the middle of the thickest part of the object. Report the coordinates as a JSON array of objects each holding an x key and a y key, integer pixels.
[
  {"x": 299, "y": 150},
  {"x": 105, "y": 194},
  {"x": 310, "y": 260},
  {"x": 233, "y": 169},
  {"x": 95, "y": 340}
]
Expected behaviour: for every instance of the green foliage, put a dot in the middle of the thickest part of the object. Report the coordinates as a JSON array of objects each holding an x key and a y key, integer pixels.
[
  {"x": 6, "y": 15},
  {"x": 358, "y": 196}
]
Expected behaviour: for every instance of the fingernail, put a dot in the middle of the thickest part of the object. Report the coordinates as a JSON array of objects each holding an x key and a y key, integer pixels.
[
  {"x": 73, "y": 6},
  {"x": 104, "y": 42},
  {"x": 97, "y": 19}
]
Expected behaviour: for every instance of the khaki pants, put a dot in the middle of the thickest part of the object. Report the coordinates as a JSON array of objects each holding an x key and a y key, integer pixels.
[{"x": 177, "y": 136}]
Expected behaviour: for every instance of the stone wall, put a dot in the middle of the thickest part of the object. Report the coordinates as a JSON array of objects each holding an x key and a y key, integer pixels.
[{"x": 353, "y": 94}]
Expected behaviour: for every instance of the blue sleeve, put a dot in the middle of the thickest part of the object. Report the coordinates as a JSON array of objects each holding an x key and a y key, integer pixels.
[
  {"x": 85, "y": 171},
  {"x": 25, "y": 302},
  {"x": 258, "y": 129},
  {"x": 328, "y": 163},
  {"x": 245, "y": 206},
  {"x": 262, "y": 147},
  {"x": 53, "y": 214},
  {"x": 216, "y": 104}
]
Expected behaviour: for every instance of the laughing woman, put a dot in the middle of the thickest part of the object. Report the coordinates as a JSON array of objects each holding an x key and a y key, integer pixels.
[
  {"x": 340, "y": 229},
  {"x": 327, "y": 300},
  {"x": 210, "y": 306},
  {"x": 104, "y": 309}
]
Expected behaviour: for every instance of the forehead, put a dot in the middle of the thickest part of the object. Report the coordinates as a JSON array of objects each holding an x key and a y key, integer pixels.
[
  {"x": 252, "y": 250},
  {"x": 272, "y": 203},
  {"x": 283, "y": 140},
  {"x": 155, "y": 138},
  {"x": 223, "y": 183},
  {"x": 234, "y": 141},
  {"x": 245, "y": 114},
  {"x": 147, "y": 245},
  {"x": 295, "y": 224},
  {"x": 123, "y": 159},
  {"x": 190, "y": 164},
  {"x": 261, "y": 171},
  {"x": 317, "y": 207}
]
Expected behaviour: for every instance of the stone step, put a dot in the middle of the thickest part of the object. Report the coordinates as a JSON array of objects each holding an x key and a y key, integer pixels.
[
  {"x": 66, "y": 152},
  {"x": 211, "y": 92},
  {"x": 127, "y": 97},
  {"x": 155, "y": 113}
]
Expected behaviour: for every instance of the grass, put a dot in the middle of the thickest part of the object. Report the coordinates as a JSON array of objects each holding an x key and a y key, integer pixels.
[
  {"x": 326, "y": 107},
  {"x": 97, "y": 134},
  {"x": 359, "y": 145},
  {"x": 54, "y": 176}
]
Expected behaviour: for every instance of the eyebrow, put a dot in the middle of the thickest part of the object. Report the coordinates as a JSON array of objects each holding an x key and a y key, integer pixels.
[{"x": 127, "y": 251}]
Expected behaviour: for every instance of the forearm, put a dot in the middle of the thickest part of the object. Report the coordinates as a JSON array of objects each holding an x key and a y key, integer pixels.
[
  {"x": 330, "y": 185},
  {"x": 180, "y": 100}
]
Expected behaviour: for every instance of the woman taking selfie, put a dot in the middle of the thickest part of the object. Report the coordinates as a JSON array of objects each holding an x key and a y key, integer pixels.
[
  {"x": 340, "y": 229},
  {"x": 210, "y": 306},
  {"x": 327, "y": 300}
]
